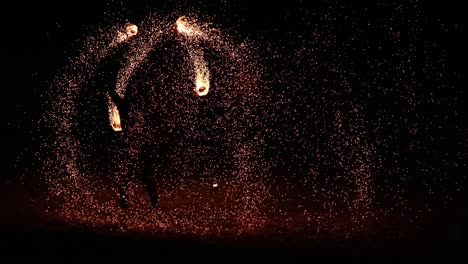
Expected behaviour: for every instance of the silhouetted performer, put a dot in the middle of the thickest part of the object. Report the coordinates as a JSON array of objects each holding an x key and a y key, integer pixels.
[{"x": 132, "y": 155}]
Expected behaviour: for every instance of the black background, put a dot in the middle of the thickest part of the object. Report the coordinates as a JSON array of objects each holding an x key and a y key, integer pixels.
[{"x": 39, "y": 34}]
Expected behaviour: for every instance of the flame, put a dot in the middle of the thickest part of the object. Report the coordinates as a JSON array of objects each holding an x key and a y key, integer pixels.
[
  {"x": 181, "y": 27},
  {"x": 114, "y": 117},
  {"x": 130, "y": 30},
  {"x": 188, "y": 29},
  {"x": 202, "y": 83}
]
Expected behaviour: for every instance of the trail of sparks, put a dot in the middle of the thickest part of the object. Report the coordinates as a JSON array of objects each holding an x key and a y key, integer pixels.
[
  {"x": 194, "y": 34},
  {"x": 114, "y": 116}
]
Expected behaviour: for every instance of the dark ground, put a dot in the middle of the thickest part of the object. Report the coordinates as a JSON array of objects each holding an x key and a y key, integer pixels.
[{"x": 70, "y": 242}]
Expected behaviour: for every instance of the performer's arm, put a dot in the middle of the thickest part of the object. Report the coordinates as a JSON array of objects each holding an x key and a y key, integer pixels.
[{"x": 115, "y": 98}]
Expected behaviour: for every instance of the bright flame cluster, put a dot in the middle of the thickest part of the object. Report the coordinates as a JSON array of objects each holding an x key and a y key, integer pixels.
[
  {"x": 114, "y": 117},
  {"x": 187, "y": 28}
]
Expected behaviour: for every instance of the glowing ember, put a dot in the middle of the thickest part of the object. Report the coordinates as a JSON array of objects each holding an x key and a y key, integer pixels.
[
  {"x": 181, "y": 25},
  {"x": 131, "y": 30},
  {"x": 187, "y": 28},
  {"x": 114, "y": 118},
  {"x": 202, "y": 83}
]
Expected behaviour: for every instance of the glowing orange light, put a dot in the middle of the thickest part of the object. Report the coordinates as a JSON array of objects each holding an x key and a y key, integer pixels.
[
  {"x": 187, "y": 28},
  {"x": 202, "y": 85},
  {"x": 115, "y": 118},
  {"x": 180, "y": 26}
]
